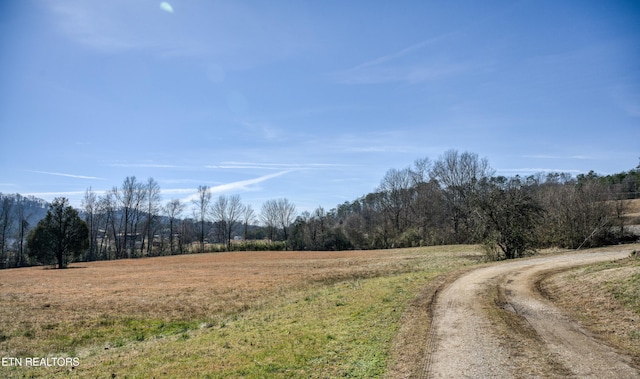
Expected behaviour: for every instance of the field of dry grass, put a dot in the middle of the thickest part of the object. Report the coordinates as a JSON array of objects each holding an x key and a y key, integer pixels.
[
  {"x": 633, "y": 206},
  {"x": 632, "y": 211},
  {"x": 100, "y": 310}
]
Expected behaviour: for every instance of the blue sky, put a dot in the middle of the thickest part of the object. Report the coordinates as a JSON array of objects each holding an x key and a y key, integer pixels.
[{"x": 313, "y": 101}]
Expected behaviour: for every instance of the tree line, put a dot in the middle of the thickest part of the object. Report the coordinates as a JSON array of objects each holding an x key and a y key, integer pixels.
[
  {"x": 456, "y": 199},
  {"x": 132, "y": 221}
]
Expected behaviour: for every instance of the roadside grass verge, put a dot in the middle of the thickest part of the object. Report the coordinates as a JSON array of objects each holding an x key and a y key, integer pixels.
[
  {"x": 605, "y": 298},
  {"x": 254, "y": 315}
]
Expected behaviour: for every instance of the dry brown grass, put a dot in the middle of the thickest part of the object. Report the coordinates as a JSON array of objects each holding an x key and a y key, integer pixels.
[
  {"x": 633, "y": 206},
  {"x": 632, "y": 211},
  {"x": 44, "y": 311},
  {"x": 605, "y": 298}
]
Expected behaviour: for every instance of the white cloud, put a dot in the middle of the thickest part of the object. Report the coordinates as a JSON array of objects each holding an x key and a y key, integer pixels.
[
  {"x": 116, "y": 25},
  {"x": 142, "y": 165},
  {"x": 272, "y": 166},
  {"x": 177, "y": 191},
  {"x": 545, "y": 156},
  {"x": 48, "y": 195},
  {"x": 381, "y": 149},
  {"x": 93, "y": 24},
  {"x": 166, "y": 7}
]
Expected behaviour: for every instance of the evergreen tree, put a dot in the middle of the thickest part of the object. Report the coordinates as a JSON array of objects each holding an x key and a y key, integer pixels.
[{"x": 60, "y": 236}]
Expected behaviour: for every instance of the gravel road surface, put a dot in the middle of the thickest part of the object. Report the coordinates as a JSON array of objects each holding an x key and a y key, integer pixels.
[{"x": 493, "y": 323}]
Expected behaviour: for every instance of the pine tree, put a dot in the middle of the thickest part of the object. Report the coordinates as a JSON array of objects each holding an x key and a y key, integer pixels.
[{"x": 60, "y": 236}]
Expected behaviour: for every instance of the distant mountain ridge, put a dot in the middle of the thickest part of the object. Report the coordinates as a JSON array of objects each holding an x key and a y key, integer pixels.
[{"x": 35, "y": 209}]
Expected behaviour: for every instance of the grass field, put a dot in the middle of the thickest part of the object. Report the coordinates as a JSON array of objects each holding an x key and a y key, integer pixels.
[
  {"x": 632, "y": 207},
  {"x": 245, "y": 314},
  {"x": 632, "y": 212}
]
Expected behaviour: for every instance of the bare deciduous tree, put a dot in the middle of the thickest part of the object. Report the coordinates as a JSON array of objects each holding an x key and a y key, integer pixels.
[
  {"x": 202, "y": 206},
  {"x": 152, "y": 210},
  {"x": 276, "y": 214},
  {"x": 21, "y": 217},
  {"x": 269, "y": 216},
  {"x": 89, "y": 206},
  {"x": 459, "y": 175},
  {"x": 6, "y": 224},
  {"x": 226, "y": 212},
  {"x": 109, "y": 241},
  {"x": 286, "y": 215},
  {"x": 395, "y": 190},
  {"x": 173, "y": 209},
  {"x": 577, "y": 212},
  {"x": 126, "y": 205},
  {"x": 248, "y": 217}
]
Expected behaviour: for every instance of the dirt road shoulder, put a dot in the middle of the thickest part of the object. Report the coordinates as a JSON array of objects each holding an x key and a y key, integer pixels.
[{"x": 604, "y": 298}]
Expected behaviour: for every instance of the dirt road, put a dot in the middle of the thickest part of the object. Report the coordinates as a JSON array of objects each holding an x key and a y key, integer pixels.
[{"x": 493, "y": 323}]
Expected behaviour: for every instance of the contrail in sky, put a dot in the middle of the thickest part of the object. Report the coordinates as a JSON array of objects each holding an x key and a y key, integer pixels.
[{"x": 67, "y": 175}]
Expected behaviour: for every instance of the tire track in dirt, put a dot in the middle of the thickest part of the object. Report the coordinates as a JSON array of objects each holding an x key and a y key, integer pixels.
[{"x": 491, "y": 322}]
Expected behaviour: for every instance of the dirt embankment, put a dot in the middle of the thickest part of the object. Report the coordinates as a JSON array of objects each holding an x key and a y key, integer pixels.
[{"x": 494, "y": 322}]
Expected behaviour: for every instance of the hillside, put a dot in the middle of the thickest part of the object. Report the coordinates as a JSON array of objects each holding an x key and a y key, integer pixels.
[{"x": 34, "y": 209}]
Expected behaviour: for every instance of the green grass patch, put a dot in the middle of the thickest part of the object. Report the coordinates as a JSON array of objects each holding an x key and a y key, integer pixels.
[
  {"x": 627, "y": 290},
  {"x": 340, "y": 330},
  {"x": 67, "y": 338}
]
